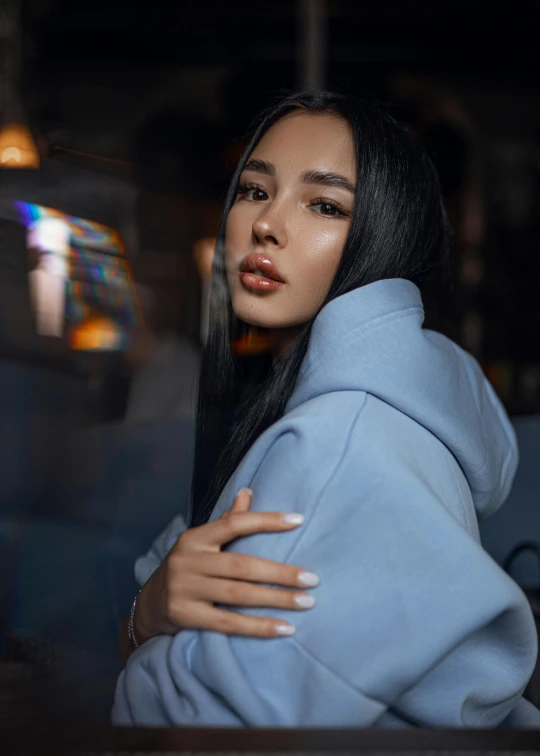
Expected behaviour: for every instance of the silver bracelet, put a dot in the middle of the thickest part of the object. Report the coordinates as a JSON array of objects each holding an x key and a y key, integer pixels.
[{"x": 133, "y": 643}]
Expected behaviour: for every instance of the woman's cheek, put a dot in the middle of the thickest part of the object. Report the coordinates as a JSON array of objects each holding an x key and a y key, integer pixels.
[
  {"x": 238, "y": 232},
  {"x": 232, "y": 223},
  {"x": 325, "y": 252}
]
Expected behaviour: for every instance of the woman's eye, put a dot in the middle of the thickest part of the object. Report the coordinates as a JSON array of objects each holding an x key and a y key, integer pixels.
[
  {"x": 326, "y": 208},
  {"x": 252, "y": 193},
  {"x": 257, "y": 195}
]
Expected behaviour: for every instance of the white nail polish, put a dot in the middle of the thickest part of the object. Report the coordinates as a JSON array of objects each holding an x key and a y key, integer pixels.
[
  {"x": 285, "y": 629},
  {"x": 309, "y": 579},
  {"x": 293, "y": 518},
  {"x": 304, "y": 601},
  {"x": 245, "y": 490}
]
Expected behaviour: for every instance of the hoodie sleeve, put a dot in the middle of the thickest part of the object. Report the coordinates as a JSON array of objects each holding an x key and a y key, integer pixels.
[
  {"x": 414, "y": 624},
  {"x": 146, "y": 565}
]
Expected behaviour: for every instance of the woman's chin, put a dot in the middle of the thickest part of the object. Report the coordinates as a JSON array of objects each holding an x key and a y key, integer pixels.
[
  {"x": 257, "y": 314},
  {"x": 267, "y": 324},
  {"x": 268, "y": 312}
]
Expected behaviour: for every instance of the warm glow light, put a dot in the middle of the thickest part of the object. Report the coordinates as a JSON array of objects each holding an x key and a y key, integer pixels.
[
  {"x": 11, "y": 153},
  {"x": 97, "y": 332},
  {"x": 203, "y": 253},
  {"x": 17, "y": 147}
]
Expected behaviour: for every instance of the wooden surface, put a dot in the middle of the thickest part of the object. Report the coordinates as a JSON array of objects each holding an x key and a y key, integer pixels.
[{"x": 40, "y": 740}]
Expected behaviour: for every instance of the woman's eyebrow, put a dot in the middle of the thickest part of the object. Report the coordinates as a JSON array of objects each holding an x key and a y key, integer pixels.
[
  {"x": 328, "y": 179},
  {"x": 324, "y": 178},
  {"x": 260, "y": 166}
]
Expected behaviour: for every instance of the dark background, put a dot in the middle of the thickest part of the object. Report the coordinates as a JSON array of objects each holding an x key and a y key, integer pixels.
[{"x": 117, "y": 81}]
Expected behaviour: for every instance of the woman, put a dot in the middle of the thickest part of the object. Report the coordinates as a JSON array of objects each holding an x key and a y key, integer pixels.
[{"x": 385, "y": 439}]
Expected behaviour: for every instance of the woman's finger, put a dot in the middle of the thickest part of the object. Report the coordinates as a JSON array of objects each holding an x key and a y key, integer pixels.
[
  {"x": 257, "y": 570},
  {"x": 233, "y": 623},
  {"x": 225, "y": 530},
  {"x": 242, "y": 502},
  {"x": 239, "y": 593}
]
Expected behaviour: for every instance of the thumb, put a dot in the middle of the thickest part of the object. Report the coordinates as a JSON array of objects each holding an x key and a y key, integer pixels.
[{"x": 242, "y": 501}]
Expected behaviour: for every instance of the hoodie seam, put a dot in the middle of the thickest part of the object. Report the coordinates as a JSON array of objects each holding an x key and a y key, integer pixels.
[
  {"x": 373, "y": 326},
  {"x": 324, "y": 486},
  {"x": 329, "y": 480},
  {"x": 465, "y": 509}
]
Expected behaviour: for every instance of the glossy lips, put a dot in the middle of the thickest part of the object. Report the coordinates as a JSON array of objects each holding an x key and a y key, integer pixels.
[{"x": 259, "y": 273}]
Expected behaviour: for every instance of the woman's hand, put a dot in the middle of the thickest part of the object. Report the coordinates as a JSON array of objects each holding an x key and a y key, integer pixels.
[{"x": 196, "y": 575}]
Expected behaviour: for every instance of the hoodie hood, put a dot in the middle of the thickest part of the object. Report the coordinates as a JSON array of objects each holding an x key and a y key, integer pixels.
[{"x": 372, "y": 340}]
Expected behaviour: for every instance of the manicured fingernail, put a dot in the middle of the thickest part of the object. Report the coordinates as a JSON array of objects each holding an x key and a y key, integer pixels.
[
  {"x": 285, "y": 629},
  {"x": 308, "y": 578},
  {"x": 304, "y": 601},
  {"x": 292, "y": 518},
  {"x": 245, "y": 490}
]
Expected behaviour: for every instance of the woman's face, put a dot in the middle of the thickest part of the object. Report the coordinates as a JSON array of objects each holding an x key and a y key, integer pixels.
[{"x": 287, "y": 228}]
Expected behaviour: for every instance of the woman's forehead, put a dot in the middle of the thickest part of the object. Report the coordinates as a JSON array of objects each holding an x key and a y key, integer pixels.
[{"x": 306, "y": 141}]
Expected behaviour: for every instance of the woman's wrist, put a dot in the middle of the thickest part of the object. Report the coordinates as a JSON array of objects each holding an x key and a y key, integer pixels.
[{"x": 138, "y": 629}]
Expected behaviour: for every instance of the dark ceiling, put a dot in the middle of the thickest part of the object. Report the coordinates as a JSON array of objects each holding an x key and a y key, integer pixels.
[
  {"x": 73, "y": 47},
  {"x": 497, "y": 38}
]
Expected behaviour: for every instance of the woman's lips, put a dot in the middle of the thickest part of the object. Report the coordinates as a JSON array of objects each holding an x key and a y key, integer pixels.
[
  {"x": 259, "y": 283},
  {"x": 258, "y": 272}
]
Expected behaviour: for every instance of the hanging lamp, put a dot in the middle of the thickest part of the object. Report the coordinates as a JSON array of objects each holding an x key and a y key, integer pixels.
[{"x": 18, "y": 149}]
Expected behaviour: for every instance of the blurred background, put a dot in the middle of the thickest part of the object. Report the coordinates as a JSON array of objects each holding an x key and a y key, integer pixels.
[{"x": 119, "y": 128}]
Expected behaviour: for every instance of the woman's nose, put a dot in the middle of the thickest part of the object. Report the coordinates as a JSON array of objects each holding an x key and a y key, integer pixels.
[{"x": 269, "y": 228}]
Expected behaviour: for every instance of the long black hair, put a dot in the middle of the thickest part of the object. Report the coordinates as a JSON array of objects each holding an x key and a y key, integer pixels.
[{"x": 398, "y": 230}]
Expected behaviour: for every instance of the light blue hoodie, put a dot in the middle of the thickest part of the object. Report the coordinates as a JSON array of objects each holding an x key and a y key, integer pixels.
[{"x": 393, "y": 445}]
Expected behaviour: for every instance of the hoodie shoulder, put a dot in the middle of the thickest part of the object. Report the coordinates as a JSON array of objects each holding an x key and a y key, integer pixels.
[
  {"x": 384, "y": 442},
  {"x": 393, "y": 444},
  {"x": 351, "y": 439}
]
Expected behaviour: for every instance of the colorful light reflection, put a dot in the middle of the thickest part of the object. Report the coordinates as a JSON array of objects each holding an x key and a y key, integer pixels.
[{"x": 101, "y": 307}]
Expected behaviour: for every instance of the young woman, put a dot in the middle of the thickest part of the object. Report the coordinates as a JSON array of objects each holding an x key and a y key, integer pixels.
[{"x": 382, "y": 438}]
